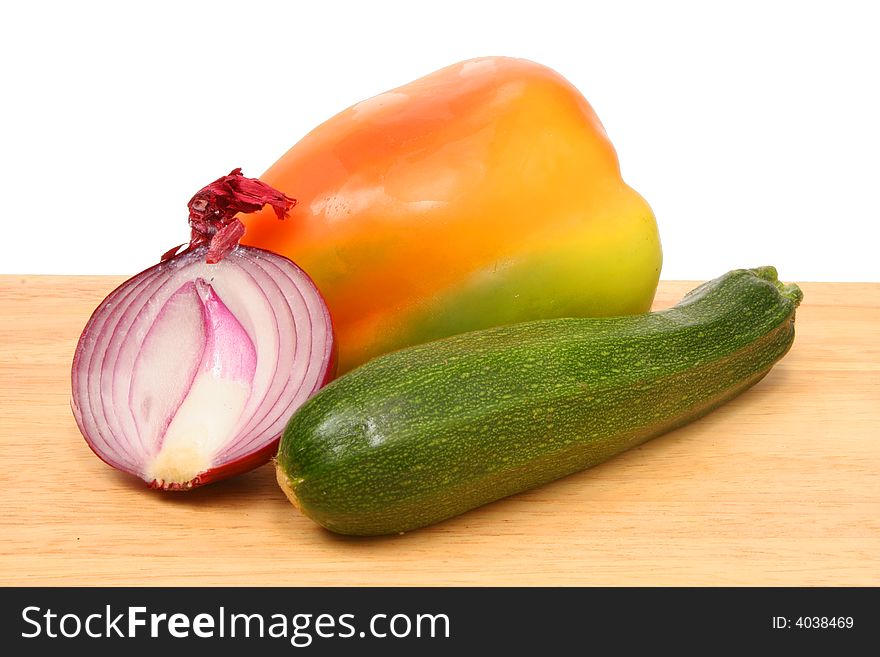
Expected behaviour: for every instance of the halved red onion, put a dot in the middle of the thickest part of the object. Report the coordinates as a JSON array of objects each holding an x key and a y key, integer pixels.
[{"x": 188, "y": 372}]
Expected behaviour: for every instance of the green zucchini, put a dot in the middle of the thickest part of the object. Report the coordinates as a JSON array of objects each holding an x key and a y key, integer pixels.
[{"x": 429, "y": 432}]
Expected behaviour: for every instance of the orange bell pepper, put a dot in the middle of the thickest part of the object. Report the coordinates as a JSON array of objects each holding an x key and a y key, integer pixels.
[{"x": 483, "y": 194}]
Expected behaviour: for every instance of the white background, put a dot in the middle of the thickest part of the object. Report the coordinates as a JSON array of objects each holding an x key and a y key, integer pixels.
[{"x": 752, "y": 130}]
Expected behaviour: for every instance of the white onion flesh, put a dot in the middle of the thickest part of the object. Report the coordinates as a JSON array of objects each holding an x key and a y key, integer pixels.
[{"x": 188, "y": 372}]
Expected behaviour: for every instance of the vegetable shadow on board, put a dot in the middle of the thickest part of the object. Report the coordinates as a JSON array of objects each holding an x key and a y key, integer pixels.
[{"x": 258, "y": 483}]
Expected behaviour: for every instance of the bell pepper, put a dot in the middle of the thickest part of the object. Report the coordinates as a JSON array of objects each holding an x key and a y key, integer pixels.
[{"x": 486, "y": 193}]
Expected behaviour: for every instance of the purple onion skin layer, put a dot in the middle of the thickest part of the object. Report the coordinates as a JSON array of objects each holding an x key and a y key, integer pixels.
[{"x": 106, "y": 423}]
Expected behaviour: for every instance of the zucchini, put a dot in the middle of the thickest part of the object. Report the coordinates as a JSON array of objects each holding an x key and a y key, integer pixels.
[{"x": 429, "y": 432}]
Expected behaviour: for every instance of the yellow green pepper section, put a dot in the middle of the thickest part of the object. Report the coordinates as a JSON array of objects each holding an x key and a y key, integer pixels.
[{"x": 573, "y": 279}]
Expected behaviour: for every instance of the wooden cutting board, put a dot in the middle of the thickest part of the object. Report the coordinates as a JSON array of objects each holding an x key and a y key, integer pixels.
[{"x": 781, "y": 486}]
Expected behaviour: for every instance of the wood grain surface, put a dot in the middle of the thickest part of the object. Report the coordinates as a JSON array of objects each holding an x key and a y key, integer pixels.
[{"x": 780, "y": 486}]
